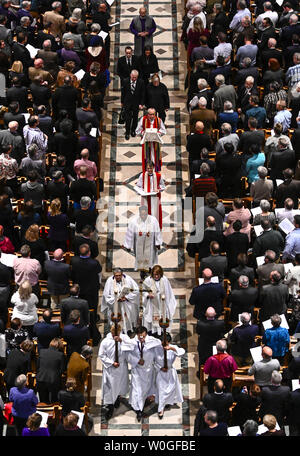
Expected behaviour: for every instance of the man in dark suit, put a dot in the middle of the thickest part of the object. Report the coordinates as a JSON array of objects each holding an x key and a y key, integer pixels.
[
  {"x": 209, "y": 330},
  {"x": 85, "y": 115},
  {"x": 263, "y": 271},
  {"x": 196, "y": 142},
  {"x": 270, "y": 53},
  {"x": 49, "y": 57},
  {"x": 242, "y": 299},
  {"x": 45, "y": 331},
  {"x": 275, "y": 399},
  {"x": 75, "y": 333},
  {"x": 14, "y": 114},
  {"x": 290, "y": 188},
  {"x": 274, "y": 297},
  {"x": 208, "y": 294},
  {"x": 215, "y": 262},
  {"x": 242, "y": 339},
  {"x": 18, "y": 362},
  {"x": 210, "y": 234},
  {"x": 58, "y": 189},
  {"x": 85, "y": 238},
  {"x": 17, "y": 93},
  {"x": 281, "y": 158},
  {"x": 21, "y": 53},
  {"x": 86, "y": 271},
  {"x": 244, "y": 93},
  {"x": 236, "y": 243},
  {"x": 287, "y": 32},
  {"x": 219, "y": 401},
  {"x": 294, "y": 412},
  {"x": 74, "y": 302},
  {"x": 66, "y": 97},
  {"x": 132, "y": 99},
  {"x": 126, "y": 64},
  {"x": 204, "y": 158},
  {"x": 58, "y": 278},
  {"x": 268, "y": 32},
  {"x": 268, "y": 239},
  {"x": 50, "y": 367}
]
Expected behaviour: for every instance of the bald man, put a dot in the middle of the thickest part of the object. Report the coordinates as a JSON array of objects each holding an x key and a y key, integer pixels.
[
  {"x": 38, "y": 71},
  {"x": 59, "y": 275},
  {"x": 142, "y": 27},
  {"x": 211, "y": 233},
  {"x": 219, "y": 400},
  {"x": 262, "y": 370},
  {"x": 91, "y": 168},
  {"x": 209, "y": 330},
  {"x": 208, "y": 294},
  {"x": 197, "y": 141}
]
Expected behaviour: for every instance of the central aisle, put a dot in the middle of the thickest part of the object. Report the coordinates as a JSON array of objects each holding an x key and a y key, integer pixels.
[{"x": 120, "y": 168}]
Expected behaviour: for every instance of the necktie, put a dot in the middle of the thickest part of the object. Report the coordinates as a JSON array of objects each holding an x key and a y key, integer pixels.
[
  {"x": 141, "y": 348},
  {"x": 128, "y": 62},
  {"x": 132, "y": 87}
]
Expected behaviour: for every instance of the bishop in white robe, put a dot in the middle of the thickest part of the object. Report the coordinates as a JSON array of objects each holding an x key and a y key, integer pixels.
[
  {"x": 121, "y": 295},
  {"x": 141, "y": 359},
  {"x": 168, "y": 388},
  {"x": 143, "y": 236},
  {"x": 158, "y": 300},
  {"x": 115, "y": 378}
]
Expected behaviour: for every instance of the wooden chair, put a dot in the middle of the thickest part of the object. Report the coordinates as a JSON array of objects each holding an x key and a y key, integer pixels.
[
  {"x": 241, "y": 378},
  {"x": 53, "y": 410}
]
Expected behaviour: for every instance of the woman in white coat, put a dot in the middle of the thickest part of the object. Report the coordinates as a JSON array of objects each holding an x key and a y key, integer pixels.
[
  {"x": 25, "y": 303},
  {"x": 168, "y": 387}
]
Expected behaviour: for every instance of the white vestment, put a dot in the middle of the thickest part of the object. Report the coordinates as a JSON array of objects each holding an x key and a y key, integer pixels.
[
  {"x": 142, "y": 376},
  {"x": 143, "y": 237},
  {"x": 155, "y": 202},
  {"x": 139, "y": 129},
  {"x": 115, "y": 380},
  {"x": 153, "y": 308},
  {"x": 129, "y": 308},
  {"x": 168, "y": 388}
]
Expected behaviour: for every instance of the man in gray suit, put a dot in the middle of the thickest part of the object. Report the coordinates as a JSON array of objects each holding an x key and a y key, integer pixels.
[
  {"x": 216, "y": 262},
  {"x": 273, "y": 297},
  {"x": 264, "y": 271},
  {"x": 224, "y": 92}
]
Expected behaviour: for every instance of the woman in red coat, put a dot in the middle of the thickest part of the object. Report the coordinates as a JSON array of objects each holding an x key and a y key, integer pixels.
[{"x": 194, "y": 35}]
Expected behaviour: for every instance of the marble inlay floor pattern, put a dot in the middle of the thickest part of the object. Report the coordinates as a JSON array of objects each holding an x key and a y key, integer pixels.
[{"x": 120, "y": 168}]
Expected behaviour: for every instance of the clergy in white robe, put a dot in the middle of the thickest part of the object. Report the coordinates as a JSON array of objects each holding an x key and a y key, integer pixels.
[
  {"x": 121, "y": 295},
  {"x": 143, "y": 236},
  {"x": 141, "y": 359},
  {"x": 168, "y": 388},
  {"x": 151, "y": 182},
  {"x": 151, "y": 148},
  {"x": 158, "y": 300},
  {"x": 115, "y": 378}
]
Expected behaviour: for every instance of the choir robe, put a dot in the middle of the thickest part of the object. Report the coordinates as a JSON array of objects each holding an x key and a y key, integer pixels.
[
  {"x": 115, "y": 380},
  {"x": 168, "y": 388},
  {"x": 142, "y": 377}
]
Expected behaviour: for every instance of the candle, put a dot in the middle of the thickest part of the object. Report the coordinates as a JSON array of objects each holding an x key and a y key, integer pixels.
[{"x": 163, "y": 308}]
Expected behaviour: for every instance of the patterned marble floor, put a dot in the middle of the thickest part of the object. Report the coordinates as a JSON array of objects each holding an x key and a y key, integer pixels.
[{"x": 120, "y": 168}]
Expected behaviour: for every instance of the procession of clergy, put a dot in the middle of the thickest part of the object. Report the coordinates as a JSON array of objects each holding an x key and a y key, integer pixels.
[{"x": 138, "y": 335}]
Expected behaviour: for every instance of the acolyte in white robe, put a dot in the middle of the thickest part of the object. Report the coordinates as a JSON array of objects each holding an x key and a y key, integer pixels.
[
  {"x": 143, "y": 259},
  {"x": 168, "y": 388},
  {"x": 142, "y": 377},
  {"x": 130, "y": 307},
  {"x": 115, "y": 380},
  {"x": 170, "y": 303}
]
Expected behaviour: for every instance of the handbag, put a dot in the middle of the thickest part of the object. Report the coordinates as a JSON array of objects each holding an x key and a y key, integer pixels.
[{"x": 121, "y": 120}]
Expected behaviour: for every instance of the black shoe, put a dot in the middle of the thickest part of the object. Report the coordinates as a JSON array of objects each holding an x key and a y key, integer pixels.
[
  {"x": 160, "y": 416},
  {"x": 139, "y": 416},
  {"x": 109, "y": 413},
  {"x": 127, "y": 136},
  {"x": 117, "y": 403},
  {"x": 133, "y": 134}
]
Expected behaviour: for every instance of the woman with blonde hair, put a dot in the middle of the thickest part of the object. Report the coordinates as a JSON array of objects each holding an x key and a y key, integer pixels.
[
  {"x": 33, "y": 428},
  {"x": 70, "y": 399},
  {"x": 17, "y": 70},
  {"x": 59, "y": 222},
  {"x": 24, "y": 302},
  {"x": 194, "y": 35},
  {"x": 270, "y": 423},
  {"x": 36, "y": 244}
]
